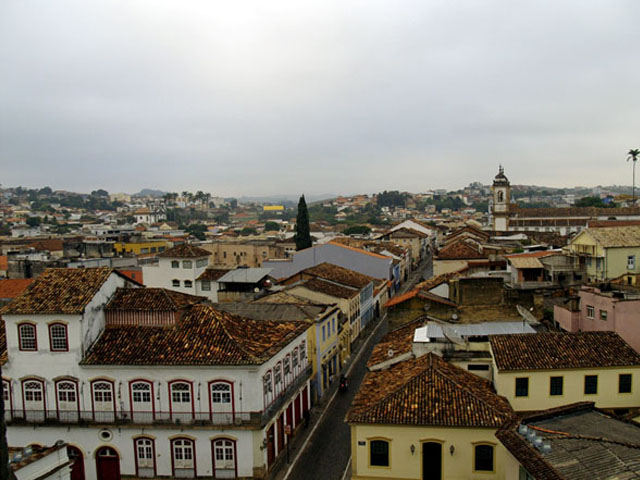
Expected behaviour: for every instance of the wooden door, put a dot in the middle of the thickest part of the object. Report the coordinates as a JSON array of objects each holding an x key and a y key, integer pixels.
[
  {"x": 77, "y": 469},
  {"x": 431, "y": 461},
  {"x": 107, "y": 464}
]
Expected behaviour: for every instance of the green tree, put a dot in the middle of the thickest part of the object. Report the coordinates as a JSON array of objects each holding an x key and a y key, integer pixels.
[
  {"x": 33, "y": 221},
  {"x": 303, "y": 232},
  {"x": 633, "y": 155},
  {"x": 248, "y": 231},
  {"x": 271, "y": 227}
]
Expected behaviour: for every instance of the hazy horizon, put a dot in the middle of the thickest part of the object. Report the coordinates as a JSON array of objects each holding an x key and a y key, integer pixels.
[{"x": 255, "y": 99}]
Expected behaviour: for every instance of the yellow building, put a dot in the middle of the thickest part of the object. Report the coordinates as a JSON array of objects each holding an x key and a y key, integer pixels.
[
  {"x": 141, "y": 248},
  {"x": 607, "y": 252},
  {"x": 546, "y": 370},
  {"x": 426, "y": 419}
]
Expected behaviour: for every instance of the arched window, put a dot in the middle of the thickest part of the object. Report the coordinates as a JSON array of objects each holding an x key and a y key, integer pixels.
[
  {"x": 175, "y": 282},
  {"x": 27, "y": 339},
  {"x": 188, "y": 284},
  {"x": 220, "y": 392},
  {"x": 67, "y": 400},
  {"x": 379, "y": 453},
  {"x": 58, "y": 341},
  {"x": 500, "y": 196},
  {"x": 180, "y": 392},
  {"x": 33, "y": 391},
  {"x": 183, "y": 458},
  {"x": 267, "y": 389},
  {"x": 224, "y": 458},
  {"x": 142, "y": 407},
  {"x": 103, "y": 401},
  {"x": 76, "y": 456},
  {"x": 181, "y": 398},
  {"x": 145, "y": 457},
  {"x": 483, "y": 458},
  {"x": 34, "y": 400}
]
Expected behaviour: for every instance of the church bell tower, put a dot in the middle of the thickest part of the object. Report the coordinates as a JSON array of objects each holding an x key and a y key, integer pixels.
[{"x": 501, "y": 190}]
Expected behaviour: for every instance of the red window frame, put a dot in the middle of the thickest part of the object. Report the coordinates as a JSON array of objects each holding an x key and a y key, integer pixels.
[
  {"x": 35, "y": 336},
  {"x": 66, "y": 337},
  {"x": 153, "y": 403},
  {"x": 43, "y": 390},
  {"x": 113, "y": 395},
  {"x": 153, "y": 449},
  {"x": 213, "y": 454},
  {"x": 75, "y": 382},
  {"x": 195, "y": 456},
  {"x": 170, "y": 384},
  {"x": 233, "y": 399}
]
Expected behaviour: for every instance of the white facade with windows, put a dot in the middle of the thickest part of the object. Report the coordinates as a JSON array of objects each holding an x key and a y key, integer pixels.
[
  {"x": 177, "y": 274},
  {"x": 178, "y": 421}
]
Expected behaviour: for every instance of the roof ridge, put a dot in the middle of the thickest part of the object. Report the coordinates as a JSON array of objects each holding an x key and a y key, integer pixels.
[
  {"x": 229, "y": 334},
  {"x": 471, "y": 389}
]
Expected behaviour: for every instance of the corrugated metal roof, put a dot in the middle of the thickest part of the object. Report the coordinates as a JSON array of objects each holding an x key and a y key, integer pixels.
[
  {"x": 245, "y": 275},
  {"x": 434, "y": 330}
]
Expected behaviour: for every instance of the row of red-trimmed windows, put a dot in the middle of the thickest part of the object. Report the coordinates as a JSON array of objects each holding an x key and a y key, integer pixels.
[
  {"x": 183, "y": 458},
  {"x": 275, "y": 381},
  {"x": 221, "y": 395},
  {"x": 28, "y": 337}
]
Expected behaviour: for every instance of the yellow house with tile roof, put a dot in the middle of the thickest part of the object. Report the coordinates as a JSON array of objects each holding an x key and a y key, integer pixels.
[{"x": 608, "y": 252}]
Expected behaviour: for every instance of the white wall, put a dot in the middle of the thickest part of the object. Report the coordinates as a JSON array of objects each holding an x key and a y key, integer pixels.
[{"x": 162, "y": 274}]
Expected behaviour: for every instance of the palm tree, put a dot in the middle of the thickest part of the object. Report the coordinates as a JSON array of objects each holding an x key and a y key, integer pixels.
[{"x": 633, "y": 155}]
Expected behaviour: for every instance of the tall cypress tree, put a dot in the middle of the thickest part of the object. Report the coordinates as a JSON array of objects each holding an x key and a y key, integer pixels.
[{"x": 303, "y": 233}]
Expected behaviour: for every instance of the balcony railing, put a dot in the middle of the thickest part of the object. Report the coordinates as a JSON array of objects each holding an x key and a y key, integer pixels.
[
  {"x": 120, "y": 417},
  {"x": 300, "y": 380}
]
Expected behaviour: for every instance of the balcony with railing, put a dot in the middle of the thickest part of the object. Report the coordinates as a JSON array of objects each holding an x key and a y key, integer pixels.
[{"x": 122, "y": 417}]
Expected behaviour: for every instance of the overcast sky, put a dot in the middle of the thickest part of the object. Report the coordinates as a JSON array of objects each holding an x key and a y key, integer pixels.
[{"x": 243, "y": 97}]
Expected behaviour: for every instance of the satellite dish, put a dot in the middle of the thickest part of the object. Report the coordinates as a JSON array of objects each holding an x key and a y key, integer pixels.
[
  {"x": 454, "y": 317},
  {"x": 390, "y": 353},
  {"x": 453, "y": 336},
  {"x": 527, "y": 315},
  {"x": 256, "y": 290}
]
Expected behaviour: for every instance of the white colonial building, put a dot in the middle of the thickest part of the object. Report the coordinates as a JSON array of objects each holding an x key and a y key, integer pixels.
[
  {"x": 177, "y": 268},
  {"x": 149, "y": 383}
]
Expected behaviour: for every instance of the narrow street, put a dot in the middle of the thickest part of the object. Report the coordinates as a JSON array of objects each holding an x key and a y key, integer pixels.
[{"x": 328, "y": 451}]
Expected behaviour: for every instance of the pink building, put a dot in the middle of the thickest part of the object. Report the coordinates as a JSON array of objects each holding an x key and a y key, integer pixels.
[{"x": 595, "y": 310}]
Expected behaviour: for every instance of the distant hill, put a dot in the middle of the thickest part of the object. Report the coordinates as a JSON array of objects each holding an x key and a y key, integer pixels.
[{"x": 149, "y": 192}]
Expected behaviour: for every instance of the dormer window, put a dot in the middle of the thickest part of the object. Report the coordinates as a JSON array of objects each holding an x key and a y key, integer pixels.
[
  {"x": 58, "y": 340},
  {"x": 27, "y": 337}
]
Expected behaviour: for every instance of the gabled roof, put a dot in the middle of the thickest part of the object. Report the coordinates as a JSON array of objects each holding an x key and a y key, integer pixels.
[
  {"x": 546, "y": 351},
  {"x": 60, "y": 290},
  {"x": 185, "y": 250},
  {"x": 276, "y": 312},
  {"x": 329, "y": 288},
  {"x": 150, "y": 299},
  {"x": 394, "y": 343},
  {"x": 459, "y": 250},
  {"x": 329, "y": 271},
  {"x": 12, "y": 287},
  {"x": 204, "y": 336},
  {"x": 428, "y": 391},
  {"x": 612, "y": 237}
]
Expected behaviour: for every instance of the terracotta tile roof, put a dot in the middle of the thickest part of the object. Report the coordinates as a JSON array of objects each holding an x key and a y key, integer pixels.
[
  {"x": 185, "y": 250},
  {"x": 60, "y": 290},
  {"x": 328, "y": 288},
  {"x": 204, "y": 336},
  {"x": 613, "y": 237},
  {"x": 329, "y": 271},
  {"x": 428, "y": 391},
  {"x": 546, "y": 351},
  {"x": 150, "y": 299},
  {"x": 574, "y": 212},
  {"x": 459, "y": 250},
  {"x": 213, "y": 274},
  {"x": 402, "y": 298},
  {"x": 613, "y": 223},
  {"x": 425, "y": 287},
  {"x": 49, "y": 244},
  {"x": 12, "y": 287},
  {"x": 399, "y": 340}
]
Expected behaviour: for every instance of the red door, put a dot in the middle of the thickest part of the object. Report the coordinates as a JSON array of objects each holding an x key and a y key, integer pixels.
[
  {"x": 77, "y": 469},
  {"x": 297, "y": 405},
  {"x": 271, "y": 447},
  {"x": 305, "y": 400},
  {"x": 107, "y": 464},
  {"x": 281, "y": 433}
]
